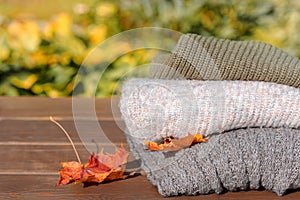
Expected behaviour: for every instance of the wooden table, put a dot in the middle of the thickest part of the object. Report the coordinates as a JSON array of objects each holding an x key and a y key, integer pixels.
[{"x": 32, "y": 147}]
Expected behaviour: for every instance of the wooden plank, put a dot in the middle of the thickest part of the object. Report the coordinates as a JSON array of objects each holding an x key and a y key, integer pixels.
[
  {"x": 42, "y": 159},
  {"x": 37, "y": 158},
  {"x": 37, "y": 187},
  {"x": 39, "y": 146},
  {"x": 41, "y": 108},
  {"x": 46, "y": 131}
]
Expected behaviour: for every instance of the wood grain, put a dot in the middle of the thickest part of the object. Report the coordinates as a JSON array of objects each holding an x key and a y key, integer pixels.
[
  {"x": 40, "y": 108},
  {"x": 43, "y": 187},
  {"x": 44, "y": 130},
  {"x": 32, "y": 147}
]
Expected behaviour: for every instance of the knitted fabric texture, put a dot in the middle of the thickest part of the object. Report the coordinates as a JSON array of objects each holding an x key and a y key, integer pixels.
[
  {"x": 231, "y": 160},
  {"x": 238, "y": 160},
  {"x": 235, "y": 160},
  {"x": 153, "y": 109},
  {"x": 208, "y": 58}
]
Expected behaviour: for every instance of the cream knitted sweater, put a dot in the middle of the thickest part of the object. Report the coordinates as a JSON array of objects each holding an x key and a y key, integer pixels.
[{"x": 154, "y": 108}]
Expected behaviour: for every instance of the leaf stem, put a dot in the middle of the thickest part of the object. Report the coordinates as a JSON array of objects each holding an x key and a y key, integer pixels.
[{"x": 68, "y": 136}]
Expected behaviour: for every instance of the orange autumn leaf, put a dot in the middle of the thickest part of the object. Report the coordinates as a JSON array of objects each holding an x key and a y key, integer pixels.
[
  {"x": 198, "y": 138},
  {"x": 154, "y": 146},
  {"x": 99, "y": 168},
  {"x": 172, "y": 144}
]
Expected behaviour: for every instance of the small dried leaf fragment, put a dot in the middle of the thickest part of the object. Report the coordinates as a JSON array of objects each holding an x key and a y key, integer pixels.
[
  {"x": 198, "y": 138},
  {"x": 99, "y": 168},
  {"x": 114, "y": 161},
  {"x": 154, "y": 146},
  {"x": 71, "y": 171},
  {"x": 171, "y": 144}
]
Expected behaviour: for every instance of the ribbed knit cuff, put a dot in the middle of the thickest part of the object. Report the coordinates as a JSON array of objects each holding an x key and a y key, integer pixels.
[{"x": 208, "y": 58}]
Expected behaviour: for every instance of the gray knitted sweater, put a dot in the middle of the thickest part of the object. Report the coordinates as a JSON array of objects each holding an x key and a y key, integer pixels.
[{"x": 238, "y": 160}]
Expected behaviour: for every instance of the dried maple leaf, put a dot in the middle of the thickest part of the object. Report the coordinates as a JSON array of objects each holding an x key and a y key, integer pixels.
[
  {"x": 99, "y": 168},
  {"x": 171, "y": 144},
  {"x": 95, "y": 170}
]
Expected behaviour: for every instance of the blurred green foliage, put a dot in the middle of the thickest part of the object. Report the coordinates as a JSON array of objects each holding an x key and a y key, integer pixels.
[{"x": 41, "y": 56}]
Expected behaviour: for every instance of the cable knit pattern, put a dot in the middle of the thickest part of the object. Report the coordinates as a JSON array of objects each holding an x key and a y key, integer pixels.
[
  {"x": 237, "y": 160},
  {"x": 153, "y": 109},
  {"x": 209, "y": 58}
]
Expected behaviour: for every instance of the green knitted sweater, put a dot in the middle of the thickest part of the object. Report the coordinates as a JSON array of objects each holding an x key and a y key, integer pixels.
[{"x": 208, "y": 58}]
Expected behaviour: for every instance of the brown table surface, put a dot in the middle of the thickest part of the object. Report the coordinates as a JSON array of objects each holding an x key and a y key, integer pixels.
[{"x": 32, "y": 147}]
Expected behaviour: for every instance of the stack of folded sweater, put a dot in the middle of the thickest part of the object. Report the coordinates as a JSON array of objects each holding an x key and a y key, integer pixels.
[{"x": 244, "y": 95}]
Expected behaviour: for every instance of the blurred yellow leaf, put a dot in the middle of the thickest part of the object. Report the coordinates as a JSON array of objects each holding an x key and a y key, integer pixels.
[
  {"x": 24, "y": 35},
  {"x": 38, "y": 58},
  {"x": 37, "y": 89},
  {"x": 48, "y": 30},
  {"x": 106, "y": 9},
  {"x": 272, "y": 35},
  {"x": 53, "y": 93},
  {"x": 4, "y": 49},
  {"x": 62, "y": 25},
  {"x": 97, "y": 33},
  {"x": 24, "y": 81}
]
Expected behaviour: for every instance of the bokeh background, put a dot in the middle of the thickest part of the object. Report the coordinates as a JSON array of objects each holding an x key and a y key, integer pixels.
[{"x": 43, "y": 42}]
